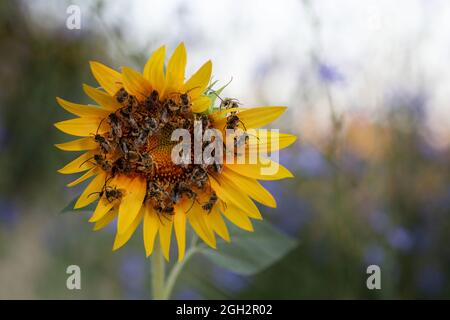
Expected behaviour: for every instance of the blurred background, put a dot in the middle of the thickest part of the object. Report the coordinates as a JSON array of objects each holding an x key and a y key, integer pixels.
[{"x": 367, "y": 88}]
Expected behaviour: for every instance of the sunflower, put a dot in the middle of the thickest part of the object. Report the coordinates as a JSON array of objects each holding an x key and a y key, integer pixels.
[{"x": 127, "y": 145}]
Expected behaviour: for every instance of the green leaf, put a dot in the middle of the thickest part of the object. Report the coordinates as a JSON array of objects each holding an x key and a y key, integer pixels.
[
  {"x": 70, "y": 207},
  {"x": 251, "y": 252},
  {"x": 213, "y": 94}
]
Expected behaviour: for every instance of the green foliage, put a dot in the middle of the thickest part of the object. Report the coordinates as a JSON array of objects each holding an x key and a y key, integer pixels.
[
  {"x": 214, "y": 94},
  {"x": 251, "y": 252}
]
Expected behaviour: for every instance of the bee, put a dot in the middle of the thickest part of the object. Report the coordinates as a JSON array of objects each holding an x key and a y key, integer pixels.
[
  {"x": 114, "y": 122},
  {"x": 152, "y": 100},
  {"x": 121, "y": 166},
  {"x": 111, "y": 193},
  {"x": 127, "y": 114},
  {"x": 132, "y": 156},
  {"x": 165, "y": 208},
  {"x": 105, "y": 145},
  {"x": 164, "y": 116},
  {"x": 180, "y": 189},
  {"x": 141, "y": 139},
  {"x": 123, "y": 146},
  {"x": 229, "y": 103},
  {"x": 146, "y": 163},
  {"x": 226, "y": 103},
  {"x": 161, "y": 198},
  {"x": 206, "y": 123},
  {"x": 241, "y": 141},
  {"x": 121, "y": 95},
  {"x": 233, "y": 122},
  {"x": 185, "y": 103},
  {"x": 151, "y": 124},
  {"x": 217, "y": 167},
  {"x": 199, "y": 177},
  {"x": 180, "y": 122},
  {"x": 210, "y": 203},
  {"x": 186, "y": 124},
  {"x": 154, "y": 190},
  {"x": 171, "y": 105},
  {"x": 102, "y": 162}
]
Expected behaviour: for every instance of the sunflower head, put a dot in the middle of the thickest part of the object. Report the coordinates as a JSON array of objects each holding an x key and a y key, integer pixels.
[{"x": 130, "y": 152}]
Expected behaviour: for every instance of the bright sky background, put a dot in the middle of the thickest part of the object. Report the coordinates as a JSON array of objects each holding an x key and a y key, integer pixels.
[{"x": 378, "y": 49}]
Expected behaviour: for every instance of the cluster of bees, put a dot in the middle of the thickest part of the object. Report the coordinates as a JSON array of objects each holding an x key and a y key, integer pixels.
[{"x": 125, "y": 148}]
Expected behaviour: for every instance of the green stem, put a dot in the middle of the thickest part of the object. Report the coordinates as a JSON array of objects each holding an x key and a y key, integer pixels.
[
  {"x": 158, "y": 272},
  {"x": 178, "y": 267}
]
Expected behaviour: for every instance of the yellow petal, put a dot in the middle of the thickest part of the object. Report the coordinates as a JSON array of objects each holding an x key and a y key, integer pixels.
[
  {"x": 165, "y": 234},
  {"x": 131, "y": 203},
  {"x": 151, "y": 62},
  {"x": 82, "y": 144},
  {"x": 120, "y": 182},
  {"x": 135, "y": 84},
  {"x": 109, "y": 79},
  {"x": 257, "y": 171},
  {"x": 229, "y": 192},
  {"x": 82, "y": 110},
  {"x": 80, "y": 164},
  {"x": 236, "y": 216},
  {"x": 198, "y": 82},
  {"x": 175, "y": 69},
  {"x": 102, "y": 209},
  {"x": 91, "y": 193},
  {"x": 215, "y": 221},
  {"x": 270, "y": 141},
  {"x": 201, "y": 104},
  {"x": 103, "y": 222},
  {"x": 250, "y": 187},
  {"x": 122, "y": 238},
  {"x": 85, "y": 176},
  {"x": 157, "y": 76},
  {"x": 82, "y": 127},
  {"x": 220, "y": 114},
  {"x": 254, "y": 117},
  {"x": 151, "y": 226},
  {"x": 180, "y": 230},
  {"x": 197, "y": 221},
  {"x": 106, "y": 101}
]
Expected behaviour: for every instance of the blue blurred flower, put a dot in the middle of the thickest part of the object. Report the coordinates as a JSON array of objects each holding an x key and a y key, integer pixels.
[
  {"x": 9, "y": 214},
  {"x": 429, "y": 152},
  {"x": 3, "y": 136},
  {"x": 374, "y": 254},
  {"x": 379, "y": 221},
  {"x": 413, "y": 101},
  {"x": 228, "y": 280},
  {"x": 292, "y": 212},
  {"x": 262, "y": 69},
  {"x": 132, "y": 275},
  {"x": 187, "y": 294},
  {"x": 329, "y": 73},
  {"x": 441, "y": 202},
  {"x": 310, "y": 162},
  {"x": 354, "y": 164},
  {"x": 401, "y": 239},
  {"x": 430, "y": 280}
]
